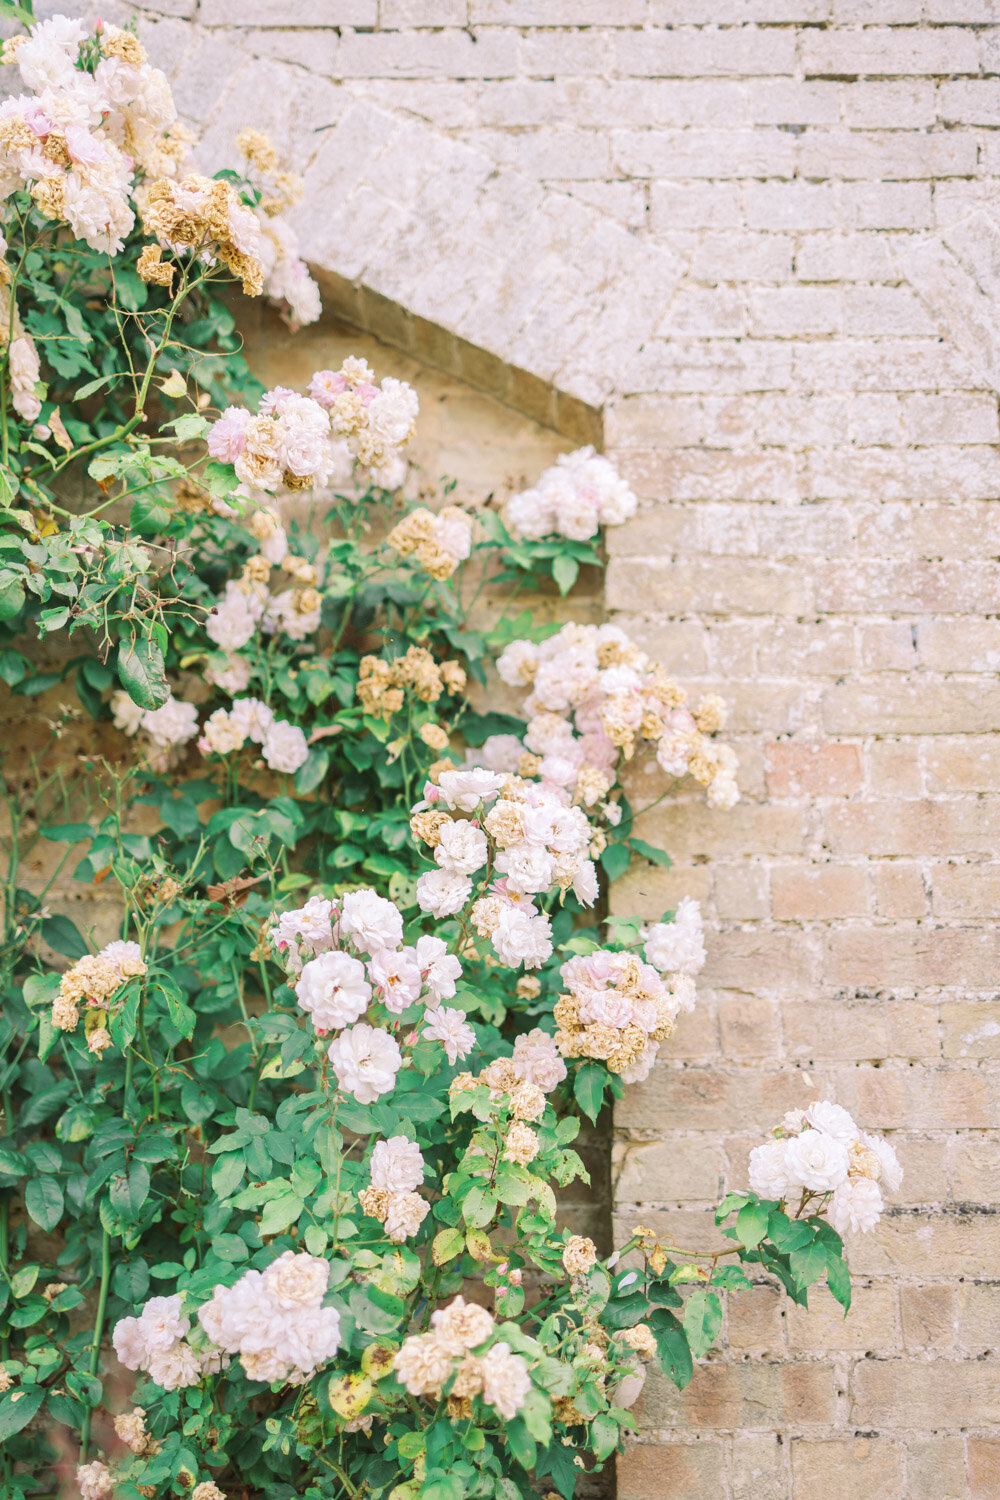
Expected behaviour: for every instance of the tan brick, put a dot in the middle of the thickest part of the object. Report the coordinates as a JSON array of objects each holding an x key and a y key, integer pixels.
[
  {"x": 974, "y": 1168},
  {"x": 937, "y": 1394},
  {"x": 978, "y": 1317},
  {"x": 758, "y": 1467},
  {"x": 943, "y": 1245},
  {"x": 825, "y": 892},
  {"x": 693, "y": 829},
  {"x": 673, "y": 1472},
  {"x": 828, "y": 1029},
  {"x": 698, "y": 1098},
  {"x": 957, "y": 765},
  {"x": 908, "y": 956},
  {"x": 970, "y": 1029},
  {"x": 685, "y": 1167},
  {"x": 723, "y": 1396},
  {"x": 920, "y": 828},
  {"x": 930, "y": 1316},
  {"x": 984, "y": 1468},
  {"x": 935, "y": 1469},
  {"x": 966, "y": 891},
  {"x": 888, "y": 705},
  {"x": 913, "y": 1030},
  {"x": 899, "y": 890},
  {"x": 844, "y": 1469},
  {"x": 810, "y": 770},
  {"x": 741, "y": 891},
  {"x": 785, "y": 960},
  {"x": 894, "y": 768},
  {"x": 872, "y": 1322},
  {"x": 756, "y": 1320},
  {"x": 748, "y": 1026}
]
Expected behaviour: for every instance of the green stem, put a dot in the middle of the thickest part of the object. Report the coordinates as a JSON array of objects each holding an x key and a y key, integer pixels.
[
  {"x": 5, "y": 1260},
  {"x": 95, "y": 1348},
  {"x": 153, "y": 1069}
]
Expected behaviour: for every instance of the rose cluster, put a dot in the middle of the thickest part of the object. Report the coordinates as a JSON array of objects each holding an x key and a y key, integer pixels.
[
  {"x": 77, "y": 140},
  {"x": 157, "y": 1342},
  {"x": 275, "y": 1319},
  {"x": 819, "y": 1152},
  {"x": 286, "y": 275},
  {"x": 92, "y": 981},
  {"x": 517, "y": 1088},
  {"x": 382, "y": 684},
  {"x": 580, "y": 493},
  {"x": 439, "y": 542},
  {"x": 287, "y": 444},
  {"x": 376, "y": 421},
  {"x": 397, "y": 1170},
  {"x": 618, "y": 1009},
  {"x": 481, "y": 823},
  {"x": 204, "y": 217},
  {"x": 596, "y": 697},
  {"x": 282, "y": 745},
  {"x": 443, "y": 1361},
  {"x": 165, "y": 729},
  {"x": 348, "y": 956}
]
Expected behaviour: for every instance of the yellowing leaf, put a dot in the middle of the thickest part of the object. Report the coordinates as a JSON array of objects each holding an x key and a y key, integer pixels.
[
  {"x": 174, "y": 386},
  {"x": 350, "y": 1395},
  {"x": 59, "y": 432}
]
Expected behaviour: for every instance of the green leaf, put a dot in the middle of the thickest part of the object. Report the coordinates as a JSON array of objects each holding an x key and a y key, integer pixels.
[
  {"x": 140, "y": 670},
  {"x": 11, "y": 594},
  {"x": 603, "y": 1431},
  {"x": 589, "y": 1083},
  {"x": 60, "y": 934},
  {"x": 838, "y": 1277},
  {"x": 150, "y": 514},
  {"x": 808, "y": 1264},
  {"x": 751, "y": 1224},
  {"x": 702, "y": 1321},
  {"x": 615, "y": 860},
  {"x": 227, "y": 1174},
  {"x": 479, "y": 1207},
  {"x": 17, "y": 1409},
  {"x": 312, "y": 771},
  {"x": 130, "y": 1190},
  {"x": 522, "y": 1444},
  {"x": 565, "y": 571},
  {"x": 672, "y": 1347},
  {"x": 43, "y": 1198},
  {"x": 651, "y": 852}
]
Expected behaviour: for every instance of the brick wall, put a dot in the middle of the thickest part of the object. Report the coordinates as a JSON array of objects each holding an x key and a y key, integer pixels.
[{"x": 785, "y": 311}]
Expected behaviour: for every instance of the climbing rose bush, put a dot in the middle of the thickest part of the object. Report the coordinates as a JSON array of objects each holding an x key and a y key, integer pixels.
[{"x": 281, "y": 1160}]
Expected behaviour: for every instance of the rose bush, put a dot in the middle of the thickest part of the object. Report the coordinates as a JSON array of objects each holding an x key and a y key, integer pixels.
[{"x": 279, "y": 1164}]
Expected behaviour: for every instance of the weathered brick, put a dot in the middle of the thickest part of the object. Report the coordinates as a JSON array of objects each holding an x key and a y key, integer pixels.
[
  {"x": 873, "y": 1322},
  {"x": 675, "y": 1471},
  {"x": 930, "y": 1316},
  {"x": 899, "y": 891},
  {"x": 813, "y": 770},
  {"x": 724, "y": 1396},
  {"x": 825, "y": 892},
  {"x": 916, "y": 828},
  {"x": 941, "y": 1393},
  {"x": 841, "y": 1469},
  {"x": 935, "y": 1469}
]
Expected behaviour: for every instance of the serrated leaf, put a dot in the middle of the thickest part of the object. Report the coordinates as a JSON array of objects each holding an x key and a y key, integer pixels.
[
  {"x": 651, "y": 852},
  {"x": 615, "y": 860},
  {"x": 446, "y": 1245},
  {"x": 565, "y": 571}
]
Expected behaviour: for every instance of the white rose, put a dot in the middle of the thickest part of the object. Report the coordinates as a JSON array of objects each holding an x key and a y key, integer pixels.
[
  {"x": 856, "y": 1206},
  {"x": 461, "y": 848},
  {"x": 334, "y": 990},
  {"x": 768, "y": 1170},
  {"x": 370, "y": 921},
  {"x": 366, "y": 1061},
  {"x": 442, "y": 893},
  {"x": 833, "y": 1119},
  {"x": 816, "y": 1161},
  {"x": 397, "y": 1165}
]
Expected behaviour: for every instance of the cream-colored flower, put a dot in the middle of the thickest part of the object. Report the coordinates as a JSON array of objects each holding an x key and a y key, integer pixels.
[
  {"x": 580, "y": 1255},
  {"x": 521, "y": 1145},
  {"x": 422, "y": 1365}
]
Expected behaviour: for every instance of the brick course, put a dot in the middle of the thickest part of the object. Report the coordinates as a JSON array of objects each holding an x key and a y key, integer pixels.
[{"x": 760, "y": 239}]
